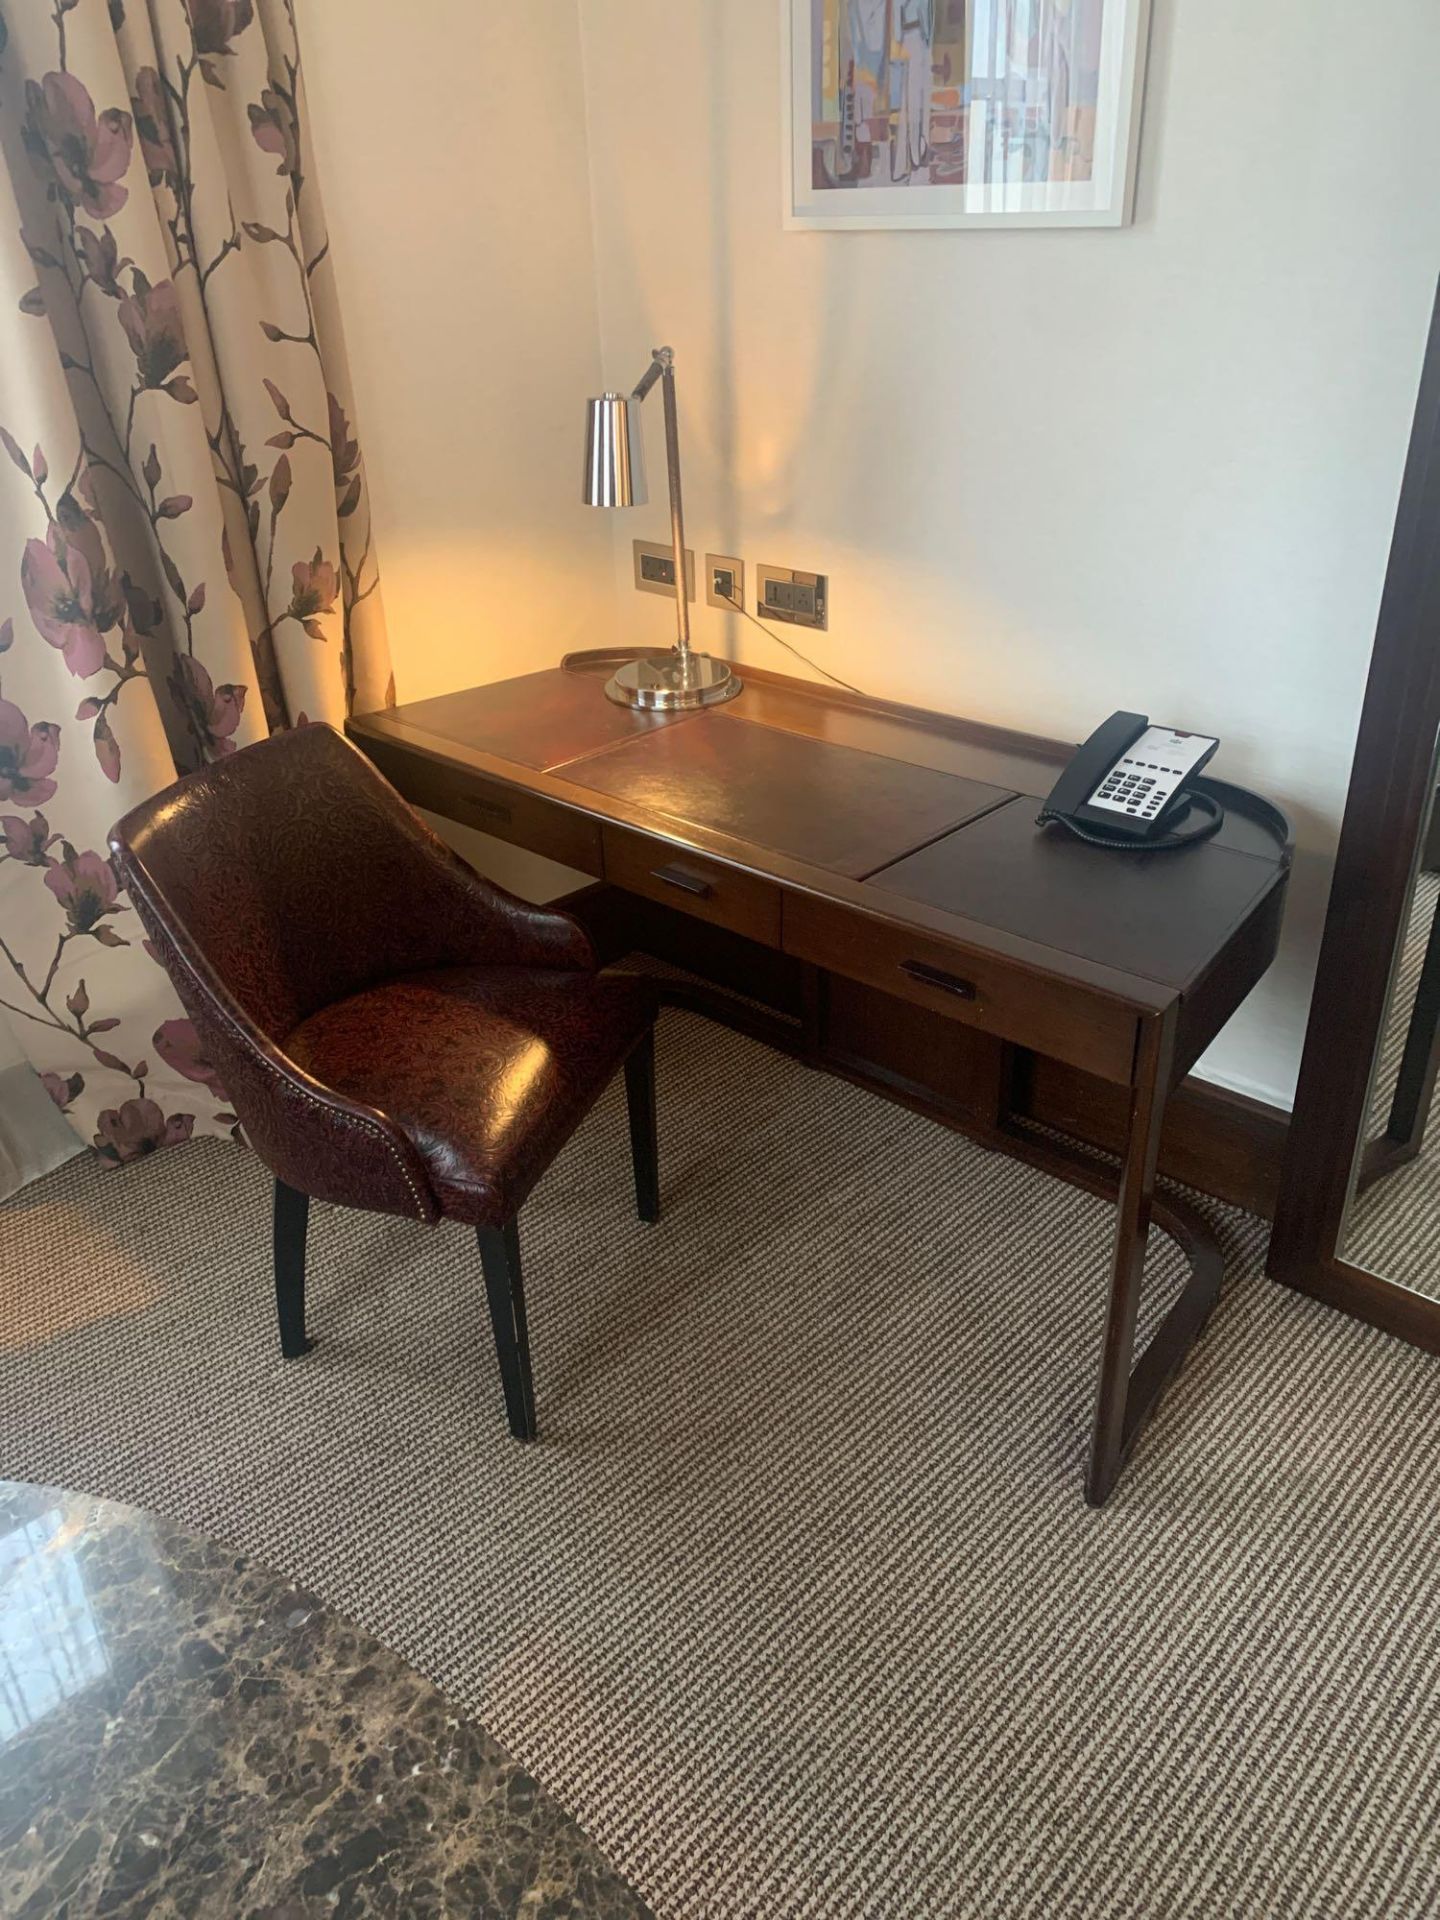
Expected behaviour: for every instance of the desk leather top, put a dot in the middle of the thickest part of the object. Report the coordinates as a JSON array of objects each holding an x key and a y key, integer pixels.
[
  {"x": 837, "y": 807},
  {"x": 925, "y": 810}
]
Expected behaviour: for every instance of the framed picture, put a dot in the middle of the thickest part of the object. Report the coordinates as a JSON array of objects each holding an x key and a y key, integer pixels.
[{"x": 962, "y": 113}]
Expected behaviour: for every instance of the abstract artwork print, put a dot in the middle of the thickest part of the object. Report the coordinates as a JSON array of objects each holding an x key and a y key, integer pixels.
[{"x": 962, "y": 112}]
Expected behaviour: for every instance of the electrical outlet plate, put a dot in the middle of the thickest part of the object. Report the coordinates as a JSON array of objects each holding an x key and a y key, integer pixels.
[
  {"x": 723, "y": 564},
  {"x": 798, "y": 599},
  {"x": 655, "y": 568}
]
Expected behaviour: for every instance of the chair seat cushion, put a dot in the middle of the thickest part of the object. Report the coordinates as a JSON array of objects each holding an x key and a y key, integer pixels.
[{"x": 489, "y": 1070}]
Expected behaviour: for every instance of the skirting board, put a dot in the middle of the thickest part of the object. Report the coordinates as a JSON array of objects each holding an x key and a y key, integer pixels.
[{"x": 1218, "y": 1142}]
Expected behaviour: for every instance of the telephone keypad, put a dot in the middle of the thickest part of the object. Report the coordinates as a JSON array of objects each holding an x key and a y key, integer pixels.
[{"x": 1135, "y": 787}]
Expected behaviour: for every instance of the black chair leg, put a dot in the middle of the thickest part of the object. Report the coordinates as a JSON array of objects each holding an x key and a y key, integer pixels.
[
  {"x": 292, "y": 1215},
  {"x": 644, "y": 1138},
  {"x": 500, "y": 1257}
]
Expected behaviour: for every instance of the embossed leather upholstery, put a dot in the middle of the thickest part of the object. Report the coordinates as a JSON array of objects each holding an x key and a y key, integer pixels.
[
  {"x": 488, "y": 1070},
  {"x": 394, "y": 1032}
]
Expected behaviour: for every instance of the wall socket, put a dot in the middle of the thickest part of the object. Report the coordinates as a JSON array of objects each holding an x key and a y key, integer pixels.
[
  {"x": 798, "y": 599},
  {"x": 724, "y": 581},
  {"x": 655, "y": 569}
]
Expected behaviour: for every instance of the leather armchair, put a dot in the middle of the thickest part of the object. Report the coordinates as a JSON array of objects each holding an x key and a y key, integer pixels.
[{"x": 393, "y": 1031}]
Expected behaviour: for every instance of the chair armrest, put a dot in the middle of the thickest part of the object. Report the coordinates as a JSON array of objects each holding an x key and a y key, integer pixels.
[
  {"x": 494, "y": 925},
  {"x": 453, "y": 915},
  {"x": 314, "y": 1139}
]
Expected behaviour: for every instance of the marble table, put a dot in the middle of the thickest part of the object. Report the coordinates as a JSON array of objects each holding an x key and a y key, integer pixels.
[{"x": 185, "y": 1733}]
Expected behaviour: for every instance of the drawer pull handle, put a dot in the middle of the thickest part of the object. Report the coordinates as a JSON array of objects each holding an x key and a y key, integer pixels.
[
  {"x": 686, "y": 882},
  {"x": 937, "y": 977},
  {"x": 488, "y": 809}
]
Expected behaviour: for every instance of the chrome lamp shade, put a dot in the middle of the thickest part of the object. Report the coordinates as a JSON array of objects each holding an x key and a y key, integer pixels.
[
  {"x": 615, "y": 477},
  {"x": 614, "y": 453}
]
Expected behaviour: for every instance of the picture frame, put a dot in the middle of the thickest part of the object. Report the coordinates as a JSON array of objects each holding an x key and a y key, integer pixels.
[{"x": 961, "y": 113}]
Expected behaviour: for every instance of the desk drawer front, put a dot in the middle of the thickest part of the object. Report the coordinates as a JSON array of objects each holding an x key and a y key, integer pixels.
[
  {"x": 705, "y": 888},
  {"x": 509, "y": 813},
  {"x": 1065, "y": 1022}
]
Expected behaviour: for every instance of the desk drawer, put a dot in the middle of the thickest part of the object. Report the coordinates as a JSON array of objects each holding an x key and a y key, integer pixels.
[
  {"x": 509, "y": 813},
  {"x": 1069, "y": 1023},
  {"x": 708, "y": 889}
]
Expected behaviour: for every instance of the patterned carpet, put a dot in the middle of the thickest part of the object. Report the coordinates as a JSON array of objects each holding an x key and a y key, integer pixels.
[{"x": 796, "y": 1606}]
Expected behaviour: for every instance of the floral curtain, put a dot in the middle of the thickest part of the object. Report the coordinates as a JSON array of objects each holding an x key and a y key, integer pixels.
[{"x": 185, "y": 550}]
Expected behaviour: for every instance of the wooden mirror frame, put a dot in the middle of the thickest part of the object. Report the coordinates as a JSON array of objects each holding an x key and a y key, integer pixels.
[{"x": 1385, "y": 811}]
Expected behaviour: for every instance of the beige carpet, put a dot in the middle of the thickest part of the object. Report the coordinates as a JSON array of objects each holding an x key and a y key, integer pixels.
[{"x": 797, "y": 1607}]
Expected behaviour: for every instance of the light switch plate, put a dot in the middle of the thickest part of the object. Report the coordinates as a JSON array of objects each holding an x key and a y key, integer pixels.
[
  {"x": 724, "y": 563},
  {"x": 798, "y": 599},
  {"x": 655, "y": 568}
]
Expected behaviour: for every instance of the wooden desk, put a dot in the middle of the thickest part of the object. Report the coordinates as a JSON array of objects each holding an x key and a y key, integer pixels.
[{"x": 892, "y": 855}]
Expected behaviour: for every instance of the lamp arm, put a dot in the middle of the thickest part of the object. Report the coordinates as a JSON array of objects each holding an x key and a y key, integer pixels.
[
  {"x": 662, "y": 358},
  {"x": 662, "y": 367}
]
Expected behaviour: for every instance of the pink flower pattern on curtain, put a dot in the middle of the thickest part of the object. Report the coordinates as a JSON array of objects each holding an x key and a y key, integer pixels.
[{"x": 185, "y": 552}]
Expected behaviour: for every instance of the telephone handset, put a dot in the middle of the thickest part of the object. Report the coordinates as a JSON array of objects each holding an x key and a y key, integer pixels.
[{"x": 1128, "y": 787}]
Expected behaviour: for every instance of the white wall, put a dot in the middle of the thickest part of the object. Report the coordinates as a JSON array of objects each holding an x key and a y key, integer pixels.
[
  {"x": 450, "y": 140},
  {"x": 1052, "y": 474}
]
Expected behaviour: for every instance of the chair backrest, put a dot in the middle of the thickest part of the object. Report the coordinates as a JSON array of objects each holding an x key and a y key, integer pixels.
[{"x": 294, "y": 874}]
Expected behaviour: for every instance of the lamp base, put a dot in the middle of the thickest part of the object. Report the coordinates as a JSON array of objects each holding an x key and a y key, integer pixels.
[{"x": 674, "y": 684}]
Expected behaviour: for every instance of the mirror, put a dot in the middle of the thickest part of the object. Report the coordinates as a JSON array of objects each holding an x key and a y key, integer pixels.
[
  {"x": 1357, "y": 1217},
  {"x": 1392, "y": 1224}
]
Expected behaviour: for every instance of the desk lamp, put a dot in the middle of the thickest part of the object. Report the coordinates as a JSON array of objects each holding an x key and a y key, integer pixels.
[{"x": 615, "y": 477}]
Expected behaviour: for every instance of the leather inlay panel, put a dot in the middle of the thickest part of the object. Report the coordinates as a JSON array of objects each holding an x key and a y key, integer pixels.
[
  {"x": 831, "y": 806},
  {"x": 1163, "y": 916},
  {"x": 986, "y": 754},
  {"x": 540, "y": 719}
]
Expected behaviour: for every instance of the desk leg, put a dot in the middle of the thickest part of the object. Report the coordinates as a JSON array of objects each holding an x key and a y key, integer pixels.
[
  {"x": 1126, "y": 1395},
  {"x": 1127, "y": 1269}
]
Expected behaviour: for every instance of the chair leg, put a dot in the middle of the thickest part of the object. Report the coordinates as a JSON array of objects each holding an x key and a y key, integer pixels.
[
  {"x": 500, "y": 1258},
  {"x": 292, "y": 1215},
  {"x": 644, "y": 1137}
]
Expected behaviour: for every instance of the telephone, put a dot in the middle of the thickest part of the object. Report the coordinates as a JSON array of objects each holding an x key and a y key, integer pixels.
[{"x": 1128, "y": 787}]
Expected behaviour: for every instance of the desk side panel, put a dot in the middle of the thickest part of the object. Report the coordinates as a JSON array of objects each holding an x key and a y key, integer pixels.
[{"x": 1209, "y": 1003}]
